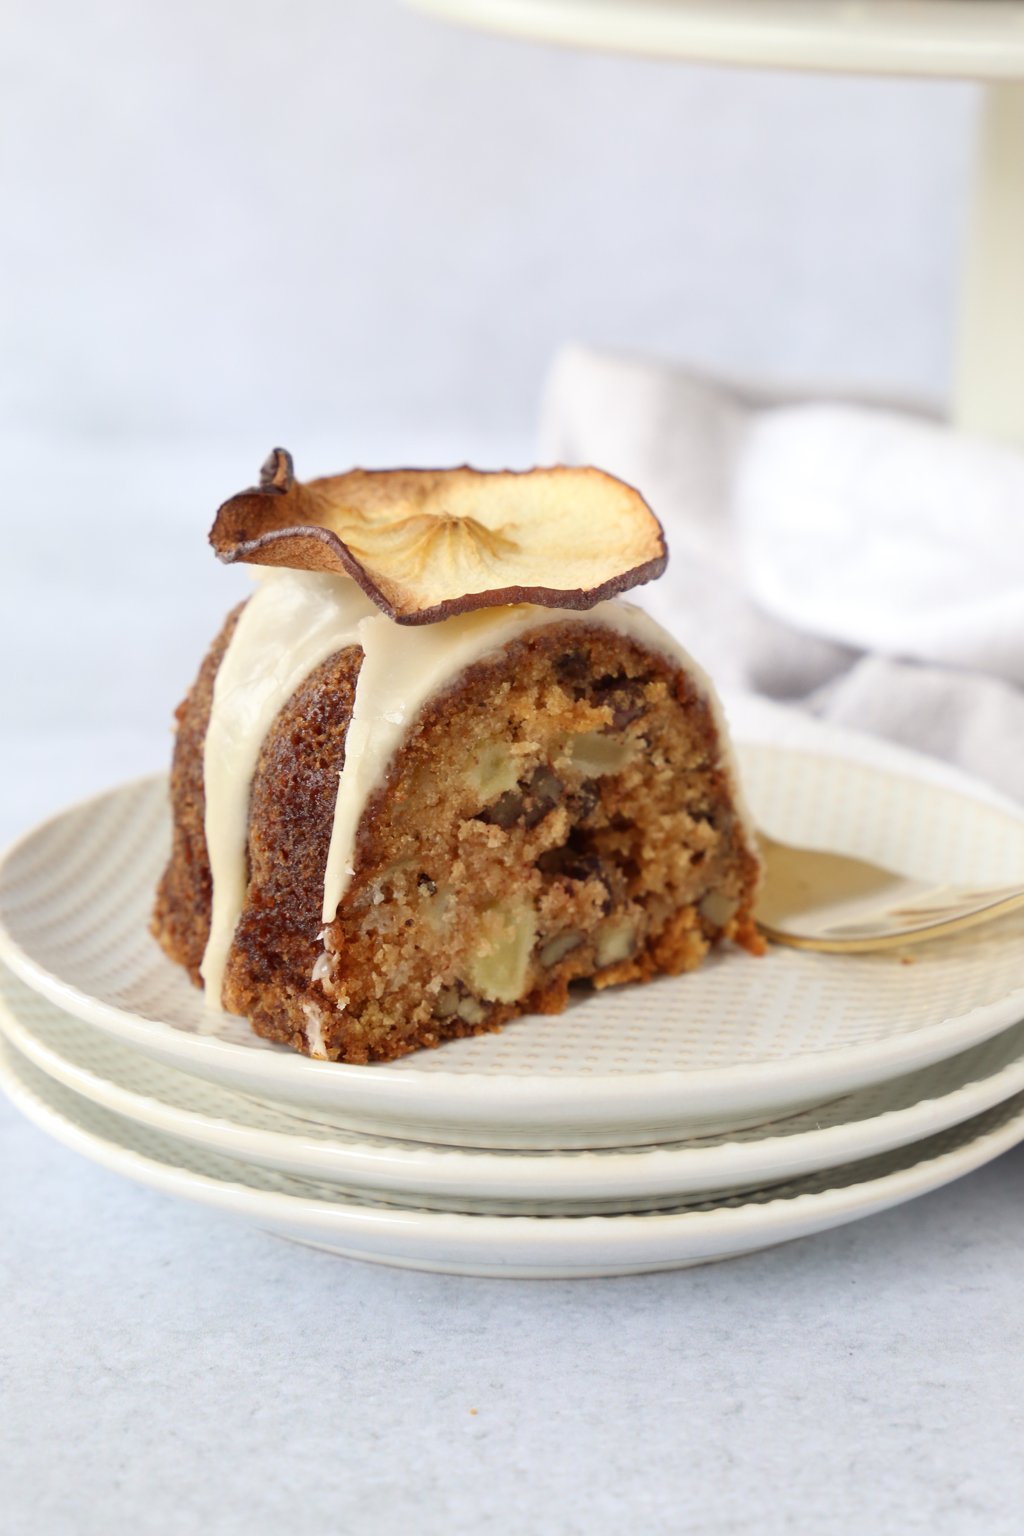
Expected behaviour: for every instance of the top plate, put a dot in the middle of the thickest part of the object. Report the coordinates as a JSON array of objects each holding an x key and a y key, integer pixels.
[
  {"x": 738, "y": 1042},
  {"x": 955, "y": 39}
]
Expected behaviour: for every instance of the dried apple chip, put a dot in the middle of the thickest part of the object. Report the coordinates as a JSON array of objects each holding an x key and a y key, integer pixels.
[{"x": 425, "y": 544}]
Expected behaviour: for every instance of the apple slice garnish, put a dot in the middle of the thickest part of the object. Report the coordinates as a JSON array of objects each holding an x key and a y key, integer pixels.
[{"x": 425, "y": 544}]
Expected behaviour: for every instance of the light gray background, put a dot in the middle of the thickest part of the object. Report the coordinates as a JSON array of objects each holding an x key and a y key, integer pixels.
[
  {"x": 362, "y": 234},
  {"x": 292, "y": 216}
]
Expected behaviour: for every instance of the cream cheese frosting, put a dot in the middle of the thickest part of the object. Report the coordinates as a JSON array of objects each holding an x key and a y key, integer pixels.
[
  {"x": 291, "y": 623},
  {"x": 294, "y": 621}
]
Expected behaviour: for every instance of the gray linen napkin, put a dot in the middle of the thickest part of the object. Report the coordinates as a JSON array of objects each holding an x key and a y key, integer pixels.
[{"x": 866, "y": 565}]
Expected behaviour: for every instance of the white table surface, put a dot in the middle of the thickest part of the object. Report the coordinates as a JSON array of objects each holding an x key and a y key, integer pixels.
[{"x": 164, "y": 1371}]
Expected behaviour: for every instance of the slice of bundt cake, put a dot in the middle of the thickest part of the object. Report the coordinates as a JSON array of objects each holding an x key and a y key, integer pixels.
[{"x": 429, "y": 775}]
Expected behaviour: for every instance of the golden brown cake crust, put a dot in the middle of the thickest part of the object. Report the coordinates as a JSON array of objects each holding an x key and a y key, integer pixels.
[
  {"x": 558, "y": 814},
  {"x": 181, "y": 917},
  {"x": 294, "y": 790}
]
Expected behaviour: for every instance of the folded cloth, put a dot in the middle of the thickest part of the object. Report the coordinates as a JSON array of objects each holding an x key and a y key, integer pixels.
[{"x": 865, "y": 564}]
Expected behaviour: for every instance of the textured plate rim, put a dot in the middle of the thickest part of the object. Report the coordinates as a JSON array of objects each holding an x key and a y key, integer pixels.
[
  {"x": 562, "y": 1241},
  {"x": 362, "y": 1090},
  {"x": 415, "y": 1168}
]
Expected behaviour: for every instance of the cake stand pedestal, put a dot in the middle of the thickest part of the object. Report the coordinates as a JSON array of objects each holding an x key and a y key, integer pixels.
[{"x": 980, "y": 40}]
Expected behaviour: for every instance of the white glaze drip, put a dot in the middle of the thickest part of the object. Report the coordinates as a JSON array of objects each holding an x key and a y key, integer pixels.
[
  {"x": 314, "y": 1031},
  {"x": 293, "y": 622},
  {"x": 321, "y": 966}
]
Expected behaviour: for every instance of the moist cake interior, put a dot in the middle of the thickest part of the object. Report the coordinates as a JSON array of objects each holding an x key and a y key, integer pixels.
[{"x": 560, "y": 812}]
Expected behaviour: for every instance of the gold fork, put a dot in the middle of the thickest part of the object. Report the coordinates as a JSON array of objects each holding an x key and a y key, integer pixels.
[{"x": 828, "y": 901}]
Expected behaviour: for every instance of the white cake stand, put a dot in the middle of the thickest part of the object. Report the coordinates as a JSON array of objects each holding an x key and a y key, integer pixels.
[{"x": 945, "y": 39}]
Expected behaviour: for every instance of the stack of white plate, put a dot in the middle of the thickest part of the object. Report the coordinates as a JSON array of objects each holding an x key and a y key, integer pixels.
[{"x": 647, "y": 1127}]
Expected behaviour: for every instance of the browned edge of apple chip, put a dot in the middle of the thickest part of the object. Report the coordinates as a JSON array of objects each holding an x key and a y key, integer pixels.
[{"x": 315, "y": 548}]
